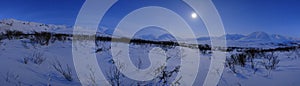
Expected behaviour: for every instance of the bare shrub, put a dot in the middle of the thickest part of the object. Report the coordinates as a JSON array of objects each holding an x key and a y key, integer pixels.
[
  {"x": 1, "y": 37},
  {"x": 13, "y": 34},
  {"x": 49, "y": 80},
  {"x": 270, "y": 62},
  {"x": 66, "y": 72},
  {"x": 42, "y": 38},
  {"x": 114, "y": 75},
  {"x": 252, "y": 53},
  {"x": 165, "y": 76},
  {"x": 12, "y": 78},
  {"x": 36, "y": 58},
  {"x": 93, "y": 79},
  {"x": 26, "y": 60},
  {"x": 236, "y": 59},
  {"x": 297, "y": 52},
  {"x": 239, "y": 59},
  {"x": 231, "y": 64},
  {"x": 204, "y": 49}
]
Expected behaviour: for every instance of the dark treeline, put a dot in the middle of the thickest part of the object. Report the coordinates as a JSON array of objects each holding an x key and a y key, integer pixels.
[
  {"x": 46, "y": 37},
  {"x": 280, "y": 49},
  {"x": 42, "y": 38}
]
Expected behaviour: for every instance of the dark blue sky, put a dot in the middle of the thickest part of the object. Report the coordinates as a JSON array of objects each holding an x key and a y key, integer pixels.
[
  {"x": 44, "y": 11},
  {"x": 239, "y": 16},
  {"x": 272, "y": 16}
]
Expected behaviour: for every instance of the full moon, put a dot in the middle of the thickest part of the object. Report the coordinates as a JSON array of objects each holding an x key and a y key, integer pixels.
[{"x": 194, "y": 15}]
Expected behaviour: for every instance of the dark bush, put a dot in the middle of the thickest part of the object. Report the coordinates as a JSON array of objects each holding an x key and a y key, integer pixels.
[{"x": 65, "y": 72}]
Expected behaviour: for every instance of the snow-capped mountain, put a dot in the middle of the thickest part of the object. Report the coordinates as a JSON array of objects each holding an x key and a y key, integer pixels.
[
  {"x": 154, "y": 33},
  {"x": 234, "y": 36},
  {"x": 262, "y": 37},
  {"x": 255, "y": 39},
  {"x": 29, "y": 27},
  {"x": 280, "y": 38},
  {"x": 256, "y": 36}
]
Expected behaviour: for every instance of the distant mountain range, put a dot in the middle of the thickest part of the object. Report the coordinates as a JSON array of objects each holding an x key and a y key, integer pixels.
[
  {"x": 255, "y": 39},
  {"x": 252, "y": 39}
]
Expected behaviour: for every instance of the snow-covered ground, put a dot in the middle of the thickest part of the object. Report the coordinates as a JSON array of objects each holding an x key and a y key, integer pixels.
[
  {"x": 15, "y": 71},
  {"x": 14, "y": 51},
  {"x": 287, "y": 74}
]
